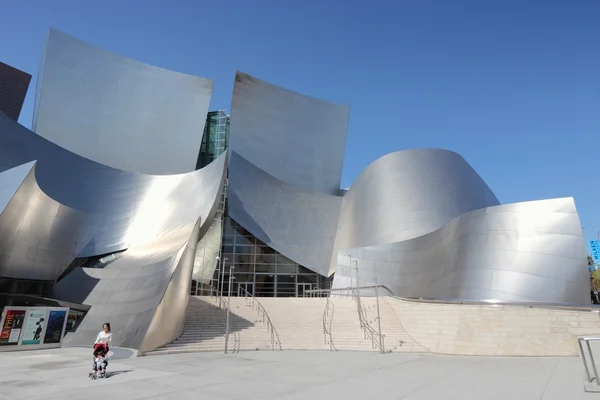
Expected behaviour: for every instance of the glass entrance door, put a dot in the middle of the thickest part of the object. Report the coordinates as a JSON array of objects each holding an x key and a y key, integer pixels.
[
  {"x": 301, "y": 289},
  {"x": 244, "y": 287}
]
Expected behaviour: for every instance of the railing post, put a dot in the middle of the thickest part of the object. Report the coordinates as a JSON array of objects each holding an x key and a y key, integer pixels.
[
  {"x": 592, "y": 361},
  {"x": 587, "y": 370},
  {"x": 379, "y": 318},
  {"x": 228, "y": 306},
  {"x": 351, "y": 283}
]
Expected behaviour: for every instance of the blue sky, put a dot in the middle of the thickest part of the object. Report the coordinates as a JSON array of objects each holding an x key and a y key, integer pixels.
[{"x": 512, "y": 85}]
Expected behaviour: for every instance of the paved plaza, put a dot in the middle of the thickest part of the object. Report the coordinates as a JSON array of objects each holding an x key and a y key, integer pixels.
[{"x": 62, "y": 374}]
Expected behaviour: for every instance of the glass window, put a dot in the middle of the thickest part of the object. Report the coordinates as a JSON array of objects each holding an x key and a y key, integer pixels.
[
  {"x": 286, "y": 285},
  {"x": 243, "y": 248},
  {"x": 307, "y": 278},
  {"x": 264, "y": 285},
  {"x": 286, "y": 269},
  {"x": 239, "y": 278},
  {"x": 266, "y": 258},
  {"x": 244, "y": 240},
  {"x": 281, "y": 259},
  {"x": 244, "y": 258},
  {"x": 266, "y": 268},
  {"x": 264, "y": 250}
]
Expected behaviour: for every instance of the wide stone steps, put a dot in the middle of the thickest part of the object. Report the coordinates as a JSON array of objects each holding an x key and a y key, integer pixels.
[{"x": 298, "y": 322}]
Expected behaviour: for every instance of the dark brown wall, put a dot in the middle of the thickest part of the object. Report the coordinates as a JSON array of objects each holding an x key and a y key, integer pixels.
[{"x": 13, "y": 88}]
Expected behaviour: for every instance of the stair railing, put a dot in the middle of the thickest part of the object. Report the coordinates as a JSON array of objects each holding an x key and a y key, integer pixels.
[
  {"x": 262, "y": 313},
  {"x": 219, "y": 299},
  {"x": 377, "y": 338},
  {"x": 328, "y": 324}
]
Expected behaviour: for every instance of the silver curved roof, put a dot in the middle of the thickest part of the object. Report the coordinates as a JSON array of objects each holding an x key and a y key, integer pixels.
[
  {"x": 119, "y": 112},
  {"x": 407, "y": 194},
  {"x": 532, "y": 251}
]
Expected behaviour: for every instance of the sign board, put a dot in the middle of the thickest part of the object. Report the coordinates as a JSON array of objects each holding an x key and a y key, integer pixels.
[
  {"x": 11, "y": 327},
  {"x": 57, "y": 322},
  {"x": 32, "y": 328},
  {"x": 595, "y": 246},
  {"x": 36, "y": 321}
]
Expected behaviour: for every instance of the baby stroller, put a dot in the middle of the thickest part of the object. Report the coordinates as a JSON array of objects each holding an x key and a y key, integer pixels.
[{"x": 100, "y": 361}]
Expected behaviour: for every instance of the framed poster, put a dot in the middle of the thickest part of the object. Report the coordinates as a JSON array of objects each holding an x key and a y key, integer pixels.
[
  {"x": 34, "y": 326},
  {"x": 11, "y": 327},
  {"x": 55, "y": 326}
]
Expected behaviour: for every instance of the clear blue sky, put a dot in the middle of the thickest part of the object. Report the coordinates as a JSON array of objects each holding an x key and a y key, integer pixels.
[{"x": 512, "y": 85}]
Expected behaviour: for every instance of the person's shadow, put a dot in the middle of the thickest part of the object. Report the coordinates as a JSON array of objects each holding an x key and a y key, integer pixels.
[{"x": 110, "y": 374}]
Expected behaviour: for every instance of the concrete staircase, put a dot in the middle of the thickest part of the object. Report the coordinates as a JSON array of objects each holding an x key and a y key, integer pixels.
[
  {"x": 205, "y": 328},
  {"x": 298, "y": 322}
]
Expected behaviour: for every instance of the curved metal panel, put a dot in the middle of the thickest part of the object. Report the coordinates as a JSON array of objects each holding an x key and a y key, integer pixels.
[
  {"x": 111, "y": 198},
  {"x": 11, "y": 180},
  {"x": 297, "y": 139},
  {"x": 525, "y": 251},
  {"x": 285, "y": 169},
  {"x": 149, "y": 284},
  {"x": 120, "y": 112},
  {"x": 407, "y": 194},
  {"x": 297, "y": 223},
  {"x": 39, "y": 237},
  {"x": 205, "y": 260}
]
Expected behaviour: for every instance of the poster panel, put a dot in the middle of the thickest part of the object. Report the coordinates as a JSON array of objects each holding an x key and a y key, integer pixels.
[
  {"x": 54, "y": 328},
  {"x": 12, "y": 326},
  {"x": 34, "y": 326}
]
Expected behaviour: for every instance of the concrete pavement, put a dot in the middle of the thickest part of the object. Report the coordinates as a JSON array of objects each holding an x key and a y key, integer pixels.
[{"x": 62, "y": 374}]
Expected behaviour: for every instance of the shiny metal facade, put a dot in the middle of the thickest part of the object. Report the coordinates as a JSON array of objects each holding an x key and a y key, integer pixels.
[
  {"x": 297, "y": 223},
  {"x": 40, "y": 237},
  {"x": 144, "y": 293},
  {"x": 87, "y": 209},
  {"x": 111, "y": 170},
  {"x": 296, "y": 139},
  {"x": 531, "y": 251},
  {"x": 422, "y": 221},
  {"x": 119, "y": 112},
  {"x": 285, "y": 168},
  {"x": 407, "y": 194}
]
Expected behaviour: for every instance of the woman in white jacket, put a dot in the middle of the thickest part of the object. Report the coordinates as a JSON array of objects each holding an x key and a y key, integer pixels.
[{"x": 104, "y": 336}]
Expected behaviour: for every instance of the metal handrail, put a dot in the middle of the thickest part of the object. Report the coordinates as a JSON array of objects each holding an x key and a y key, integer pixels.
[
  {"x": 270, "y": 326},
  {"x": 587, "y": 340},
  {"x": 368, "y": 330},
  {"x": 219, "y": 297},
  {"x": 237, "y": 342},
  {"x": 489, "y": 302},
  {"x": 328, "y": 317},
  {"x": 503, "y": 303},
  {"x": 350, "y": 290}
]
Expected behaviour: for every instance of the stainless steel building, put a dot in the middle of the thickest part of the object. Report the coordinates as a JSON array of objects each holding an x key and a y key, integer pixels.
[
  {"x": 422, "y": 222},
  {"x": 131, "y": 229}
]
